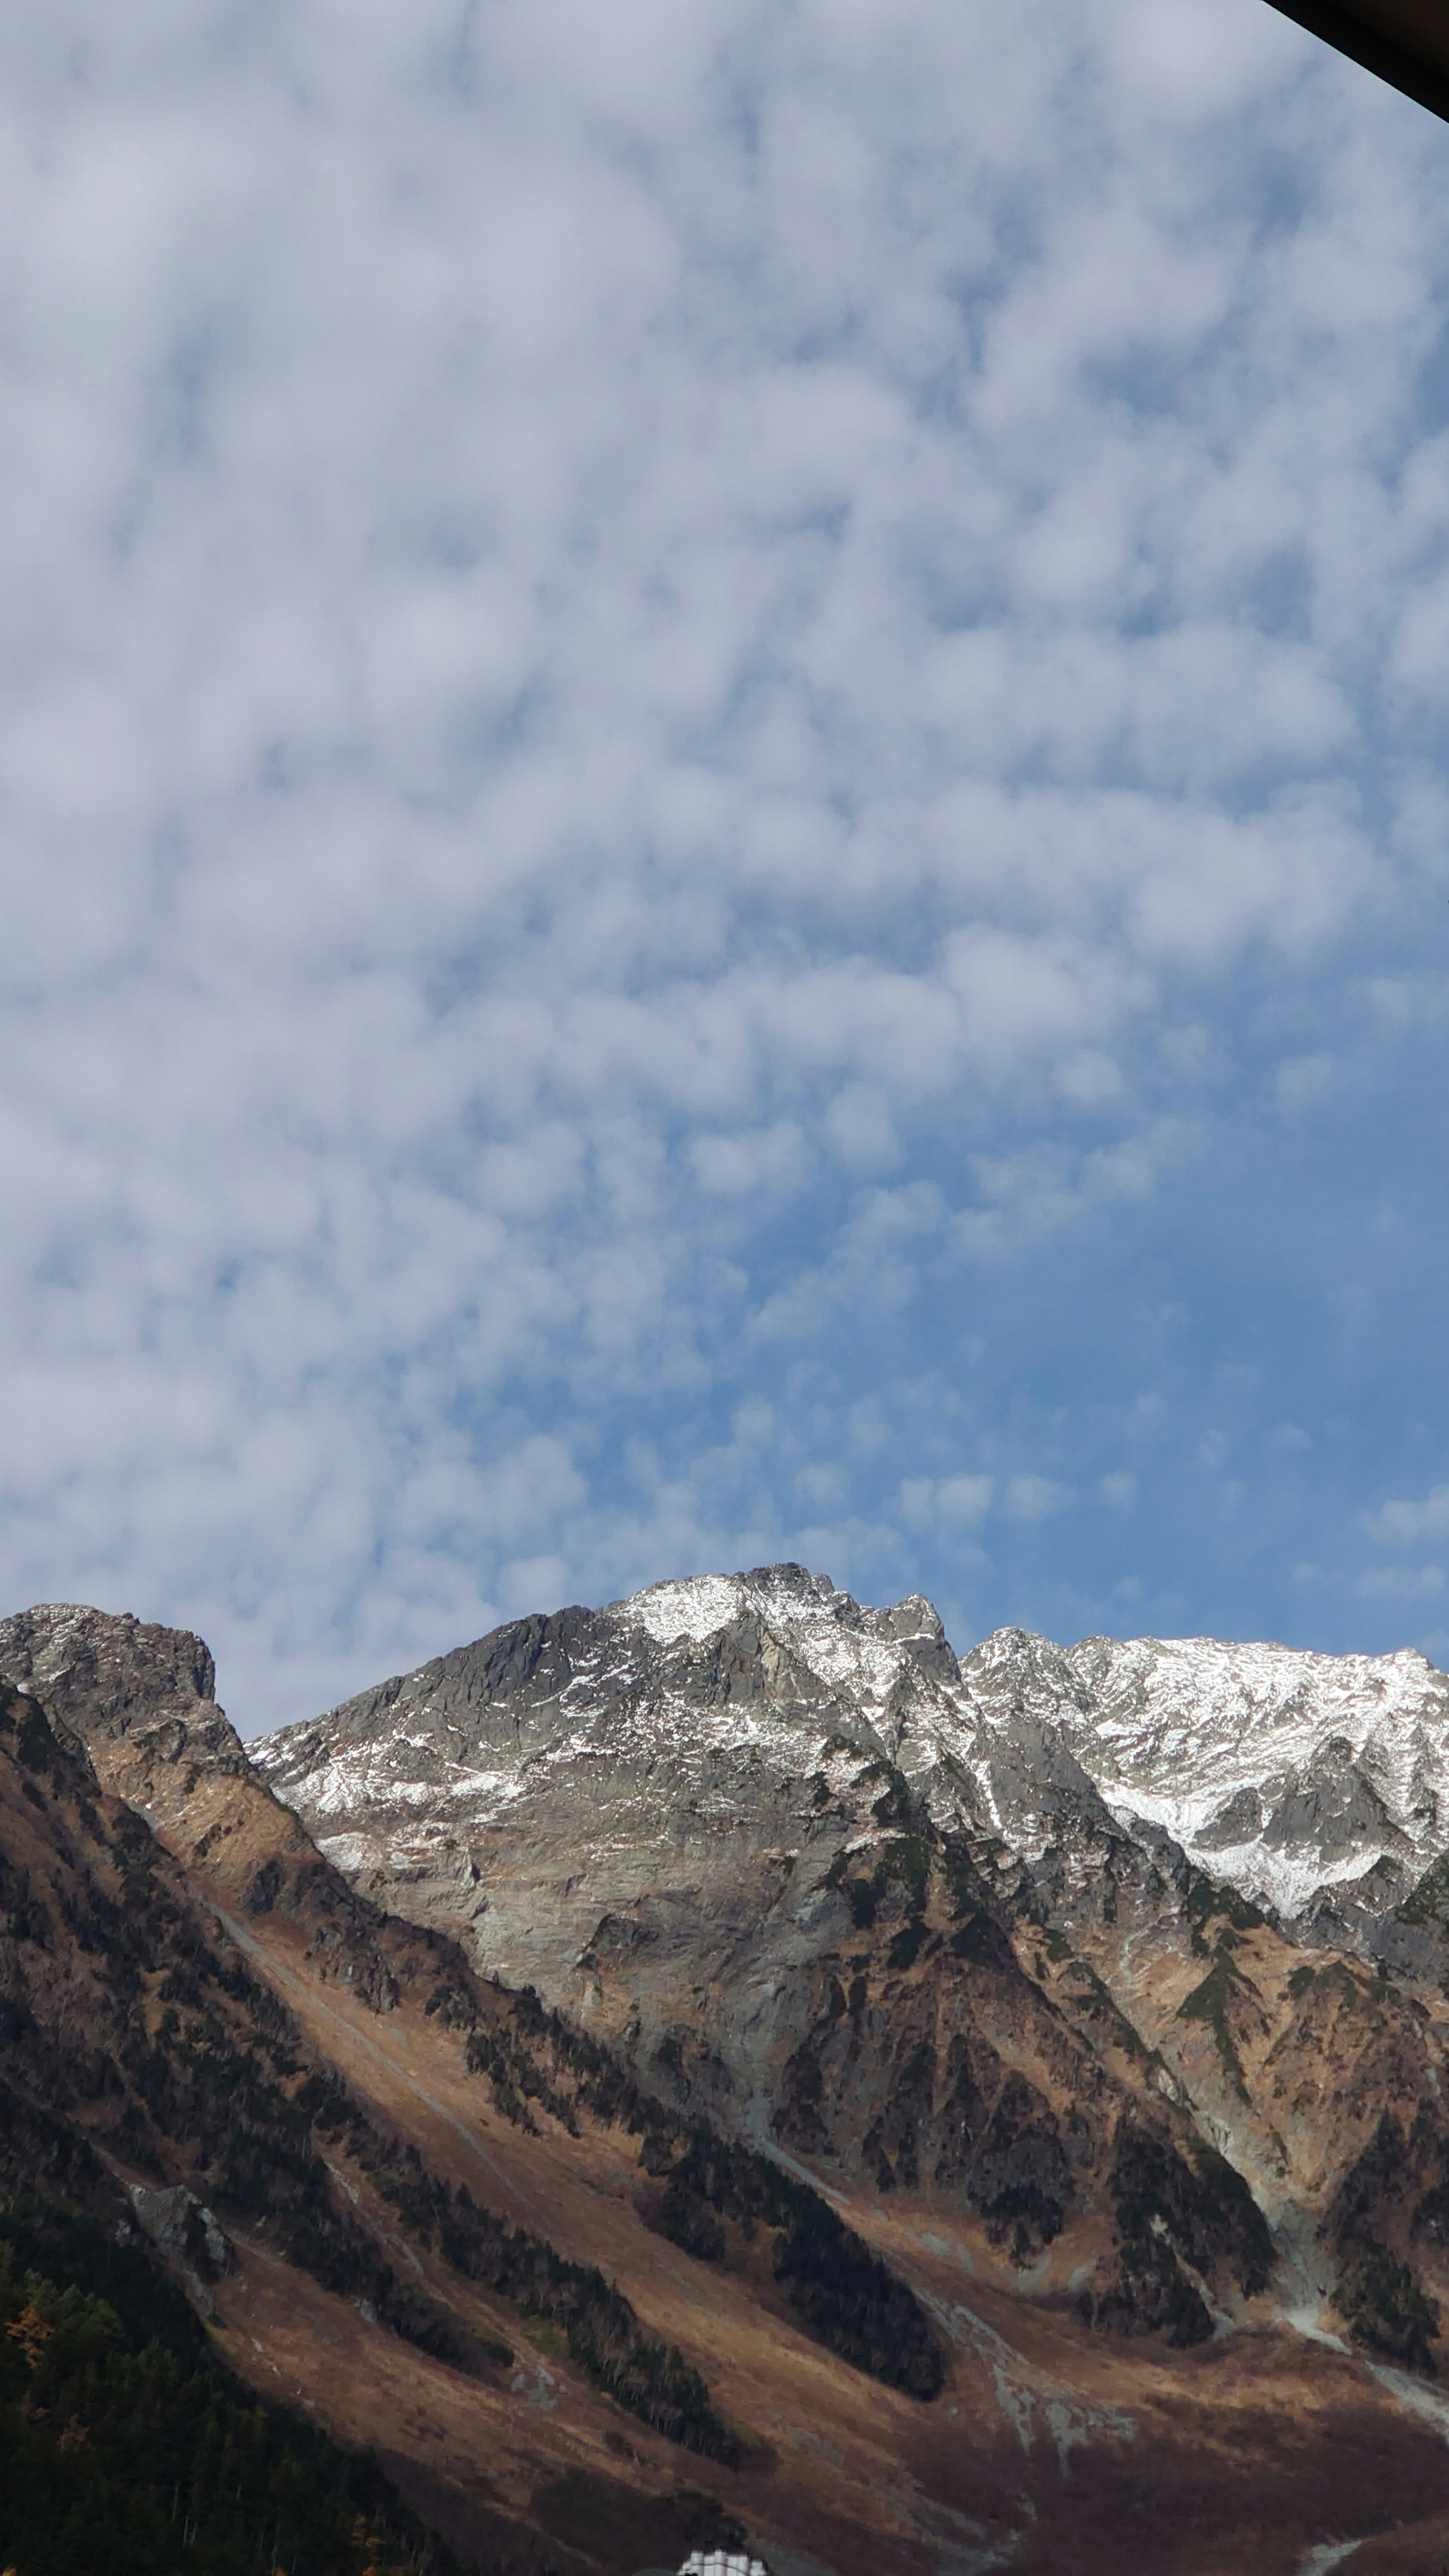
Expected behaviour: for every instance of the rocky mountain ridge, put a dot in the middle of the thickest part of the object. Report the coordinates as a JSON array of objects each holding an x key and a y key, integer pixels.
[{"x": 1317, "y": 1785}]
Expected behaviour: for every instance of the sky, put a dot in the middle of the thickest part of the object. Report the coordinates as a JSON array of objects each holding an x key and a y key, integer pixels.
[{"x": 724, "y": 818}]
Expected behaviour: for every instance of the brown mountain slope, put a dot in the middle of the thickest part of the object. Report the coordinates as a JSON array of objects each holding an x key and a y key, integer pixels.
[
  {"x": 179, "y": 2016},
  {"x": 145, "y": 2055}
]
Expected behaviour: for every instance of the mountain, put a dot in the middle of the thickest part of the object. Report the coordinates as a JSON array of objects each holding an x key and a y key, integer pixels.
[
  {"x": 755, "y": 1837},
  {"x": 1317, "y": 1785},
  {"x": 723, "y": 2066}
]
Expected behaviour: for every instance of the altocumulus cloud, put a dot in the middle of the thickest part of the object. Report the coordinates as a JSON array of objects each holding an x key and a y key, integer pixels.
[{"x": 718, "y": 742}]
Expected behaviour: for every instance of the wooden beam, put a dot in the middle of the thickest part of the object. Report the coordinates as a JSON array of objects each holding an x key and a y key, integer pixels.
[{"x": 1406, "y": 42}]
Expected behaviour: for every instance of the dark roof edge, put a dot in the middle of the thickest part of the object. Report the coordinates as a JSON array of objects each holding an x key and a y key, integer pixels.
[{"x": 1376, "y": 38}]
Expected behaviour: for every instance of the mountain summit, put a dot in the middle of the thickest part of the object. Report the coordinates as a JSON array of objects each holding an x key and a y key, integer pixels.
[{"x": 1316, "y": 1785}]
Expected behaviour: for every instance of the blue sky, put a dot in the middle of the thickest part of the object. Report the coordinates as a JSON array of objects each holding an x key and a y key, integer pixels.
[{"x": 724, "y": 818}]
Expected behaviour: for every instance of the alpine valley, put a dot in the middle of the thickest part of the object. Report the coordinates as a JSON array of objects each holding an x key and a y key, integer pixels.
[{"x": 720, "y": 2068}]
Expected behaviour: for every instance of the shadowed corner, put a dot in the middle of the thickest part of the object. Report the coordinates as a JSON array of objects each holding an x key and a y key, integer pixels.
[{"x": 1405, "y": 42}]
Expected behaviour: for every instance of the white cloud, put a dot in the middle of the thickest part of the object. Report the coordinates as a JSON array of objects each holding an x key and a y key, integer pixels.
[
  {"x": 1408, "y": 1524},
  {"x": 1035, "y": 1498},
  {"x": 826, "y": 1487},
  {"x": 754, "y": 1163},
  {"x": 945, "y": 1503},
  {"x": 860, "y": 1127},
  {"x": 1023, "y": 996},
  {"x": 1046, "y": 1188},
  {"x": 1303, "y": 1080},
  {"x": 1170, "y": 55},
  {"x": 662, "y": 679}
]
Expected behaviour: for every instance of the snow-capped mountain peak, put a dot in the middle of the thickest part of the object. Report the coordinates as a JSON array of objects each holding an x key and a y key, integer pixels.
[
  {"x": 1285, "y": 1772},
  {"x": 1318, "y": 1784}
]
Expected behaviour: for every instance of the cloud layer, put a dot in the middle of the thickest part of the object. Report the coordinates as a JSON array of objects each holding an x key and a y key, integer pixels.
[{"x": 723, "y": 813}]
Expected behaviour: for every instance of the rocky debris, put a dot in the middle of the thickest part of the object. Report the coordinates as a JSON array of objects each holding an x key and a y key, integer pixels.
[{"x": 182, "y": 2226}]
